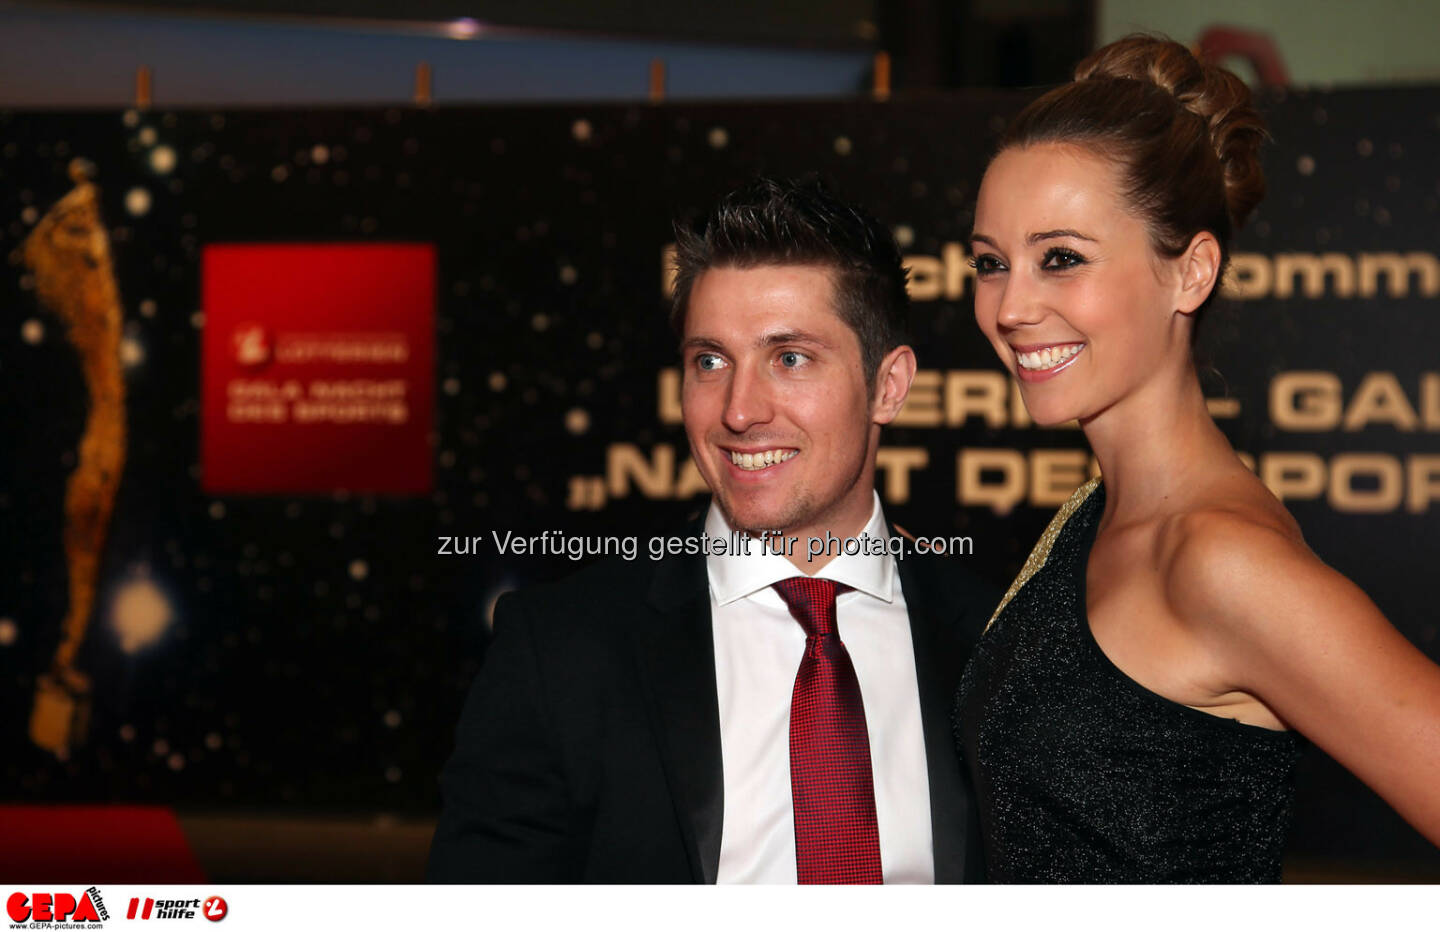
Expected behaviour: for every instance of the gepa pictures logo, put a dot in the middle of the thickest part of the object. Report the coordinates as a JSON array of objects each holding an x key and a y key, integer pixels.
[{"x": 57, "y": 907}]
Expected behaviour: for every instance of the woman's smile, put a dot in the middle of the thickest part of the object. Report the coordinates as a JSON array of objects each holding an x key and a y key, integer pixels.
[{"x": 1038, "y": 362}]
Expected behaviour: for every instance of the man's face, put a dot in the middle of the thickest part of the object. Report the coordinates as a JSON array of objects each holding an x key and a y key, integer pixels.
[{"x": 777, "y": 404}]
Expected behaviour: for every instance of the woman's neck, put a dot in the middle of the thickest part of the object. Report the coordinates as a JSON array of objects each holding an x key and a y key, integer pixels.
[{"x": 1156, "y": 444}]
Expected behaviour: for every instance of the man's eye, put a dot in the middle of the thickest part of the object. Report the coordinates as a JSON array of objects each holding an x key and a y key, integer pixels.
[
  {"x": 790, "y": 359},
  {"x": 1062, "y": 259},
  {"x": 708, "y": 362},
  {"x": 986, "y": 264}
]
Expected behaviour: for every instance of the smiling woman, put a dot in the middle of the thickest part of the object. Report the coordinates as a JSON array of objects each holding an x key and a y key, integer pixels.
[{"x": 1134, "y": 711}]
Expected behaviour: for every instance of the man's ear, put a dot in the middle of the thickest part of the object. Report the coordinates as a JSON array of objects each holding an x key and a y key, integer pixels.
[
  {"x": 892, "y": 384},
  {"x": 1199, "y": 272}
]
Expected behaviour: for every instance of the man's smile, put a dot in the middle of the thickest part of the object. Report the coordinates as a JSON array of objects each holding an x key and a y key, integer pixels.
[{"x": 757, "y": 460}]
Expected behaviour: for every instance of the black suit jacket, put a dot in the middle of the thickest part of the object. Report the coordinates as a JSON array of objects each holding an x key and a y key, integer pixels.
[{"x": 589, "y": 747}]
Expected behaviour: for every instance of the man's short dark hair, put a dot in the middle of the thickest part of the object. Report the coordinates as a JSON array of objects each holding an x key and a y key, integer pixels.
[{"x": 772, "y": 222}]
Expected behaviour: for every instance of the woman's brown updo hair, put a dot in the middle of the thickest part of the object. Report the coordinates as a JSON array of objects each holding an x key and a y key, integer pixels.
[{"x": 1185, "y": 135}]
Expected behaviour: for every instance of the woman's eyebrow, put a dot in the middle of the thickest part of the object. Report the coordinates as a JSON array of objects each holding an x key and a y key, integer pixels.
[{"x": 1034, "y": 238}]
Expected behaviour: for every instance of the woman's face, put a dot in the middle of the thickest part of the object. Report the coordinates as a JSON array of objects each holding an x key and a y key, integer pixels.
[{"x": 1069, "y": 290}]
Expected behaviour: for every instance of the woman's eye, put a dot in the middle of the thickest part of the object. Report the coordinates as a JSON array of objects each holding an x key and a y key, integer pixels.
[
  {"x": 986, "y": 264},
  {"x": 790, "y": 359},
  {"x": 708, "y": 362},
  {"x": 1062, "y": 259}
]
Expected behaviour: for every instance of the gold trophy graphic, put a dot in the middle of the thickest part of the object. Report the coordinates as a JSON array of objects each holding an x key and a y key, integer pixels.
[{"x": 68, "y": 253}]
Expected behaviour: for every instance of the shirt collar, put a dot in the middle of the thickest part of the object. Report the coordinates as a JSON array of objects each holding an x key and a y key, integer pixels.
[{"x": 736, "y": 575}]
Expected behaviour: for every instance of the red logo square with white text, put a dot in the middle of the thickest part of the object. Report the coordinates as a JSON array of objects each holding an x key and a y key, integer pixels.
[{"x": 318, "y": 364}]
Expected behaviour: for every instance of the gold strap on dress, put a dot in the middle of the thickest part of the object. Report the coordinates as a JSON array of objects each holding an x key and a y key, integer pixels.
[{"x": 1041, "y": 553}]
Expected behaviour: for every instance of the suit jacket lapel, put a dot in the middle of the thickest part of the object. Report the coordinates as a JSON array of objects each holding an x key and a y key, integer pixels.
[
  {"x": 937, "y": 672},
  {"x": 675, "y": 651}
]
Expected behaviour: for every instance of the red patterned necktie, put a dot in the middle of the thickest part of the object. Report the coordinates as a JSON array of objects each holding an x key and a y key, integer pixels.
[{"x": 833, "y": 790}]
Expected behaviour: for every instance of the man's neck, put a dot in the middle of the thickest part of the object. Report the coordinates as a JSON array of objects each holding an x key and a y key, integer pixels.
[{"x": 828, "y": 539}]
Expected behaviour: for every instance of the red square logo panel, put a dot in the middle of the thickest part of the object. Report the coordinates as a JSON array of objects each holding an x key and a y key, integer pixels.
[{"x": 318, "y": 368}]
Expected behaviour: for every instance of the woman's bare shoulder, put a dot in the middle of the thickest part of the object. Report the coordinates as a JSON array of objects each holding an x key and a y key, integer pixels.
[
  {"x": 1307, "y": 643},
  {"x": 1230, "y": 548}
]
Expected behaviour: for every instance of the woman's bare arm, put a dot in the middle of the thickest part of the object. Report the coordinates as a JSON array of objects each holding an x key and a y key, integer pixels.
[{"x": 1311, "y": 646}]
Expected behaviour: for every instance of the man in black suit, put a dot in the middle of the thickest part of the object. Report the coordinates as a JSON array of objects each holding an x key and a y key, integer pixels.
[{"x": 668, "y": 721}]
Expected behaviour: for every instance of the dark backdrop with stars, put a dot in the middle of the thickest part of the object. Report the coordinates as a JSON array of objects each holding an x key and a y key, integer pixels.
[{"x": 320, "y": 648}]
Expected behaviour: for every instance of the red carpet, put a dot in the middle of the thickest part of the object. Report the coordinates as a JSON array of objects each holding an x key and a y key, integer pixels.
[{"x": 94, "y": 844}]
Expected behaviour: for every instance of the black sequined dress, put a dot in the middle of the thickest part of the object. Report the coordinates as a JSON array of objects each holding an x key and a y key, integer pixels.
[{"x": 1085, "y": 776}]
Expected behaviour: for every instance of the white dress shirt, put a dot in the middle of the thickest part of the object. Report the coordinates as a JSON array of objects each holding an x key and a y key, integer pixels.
[{"x": 758, "y": 647}]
